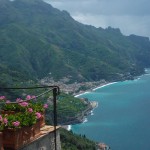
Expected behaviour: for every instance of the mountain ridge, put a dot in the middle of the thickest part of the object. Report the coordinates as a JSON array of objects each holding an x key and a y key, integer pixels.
[{"x": 37, "y": 40}]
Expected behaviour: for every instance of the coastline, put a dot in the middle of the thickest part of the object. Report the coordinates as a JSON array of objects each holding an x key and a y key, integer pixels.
[
  {"x": 94, "y": 89},
  {"x": 93, "y": 104},
  {"x": 107, "y": 84},
  {"x": 67, "y": 127},
  {"x": 81, "y": 94},
  {"x": 127, "y": 83}
]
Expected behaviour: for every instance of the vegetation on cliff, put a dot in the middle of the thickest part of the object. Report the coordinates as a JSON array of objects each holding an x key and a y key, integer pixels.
[
  {"x": 70, "y": 110},
  {"x": 71, "y": 141},
  {"x": 37, "y": 40}
]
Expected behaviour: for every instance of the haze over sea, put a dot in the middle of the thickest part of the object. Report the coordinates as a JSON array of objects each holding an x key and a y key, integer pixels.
[{"x": 122, "y": 118}]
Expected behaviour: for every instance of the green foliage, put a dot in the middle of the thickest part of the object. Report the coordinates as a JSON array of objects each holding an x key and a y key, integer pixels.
[
  {"x": 71, "y": 141},
  {"x": 22, "y": 112},
  {"x": 36, "y": 39},
  {"x": 13, "y": 107},
  {"x": 68, "y": 109},
  {"x": 28, "y": 119},
  {"x": 36, "y": 106},
  {"x": 23, "y": 119}
]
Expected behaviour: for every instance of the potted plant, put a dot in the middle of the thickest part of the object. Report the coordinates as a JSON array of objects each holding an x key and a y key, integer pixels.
[
  {"x": 17, "y": 129},
  {"x": 21, "y": 121},
  {"x": 23, "y": 106}
]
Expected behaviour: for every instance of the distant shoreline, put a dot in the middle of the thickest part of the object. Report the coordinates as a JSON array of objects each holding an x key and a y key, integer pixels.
[
  {"x": 107, "y": 84},
  {"x": 82, "y": 93},
  {"x": 100, "y": 86},
  {"x": 94, "y": 104}
]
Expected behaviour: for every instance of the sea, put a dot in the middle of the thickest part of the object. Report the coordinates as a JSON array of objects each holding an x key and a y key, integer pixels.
[{"x": 122, "y": 118}]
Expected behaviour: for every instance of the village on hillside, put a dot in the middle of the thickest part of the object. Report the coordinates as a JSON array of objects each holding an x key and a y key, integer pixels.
[{"x": 72, "y": 88}]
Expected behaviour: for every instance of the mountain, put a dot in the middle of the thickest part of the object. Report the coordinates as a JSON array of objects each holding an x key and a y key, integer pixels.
[{"x": 37, "y": 40}]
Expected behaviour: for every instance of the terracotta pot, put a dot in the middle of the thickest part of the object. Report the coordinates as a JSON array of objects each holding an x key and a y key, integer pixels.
[
  {"x": 36, "y": 129},
  {"x": 27, "y": 133},
  {"x": 12, "y": 138},
  {"x": 1, "y": 141},
  {"x": 16, "y": 138},
  {"x": 42, "y": 119}
]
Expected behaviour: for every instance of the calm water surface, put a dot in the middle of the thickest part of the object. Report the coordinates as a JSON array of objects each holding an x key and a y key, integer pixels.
[{"x": 122, "y": 119}]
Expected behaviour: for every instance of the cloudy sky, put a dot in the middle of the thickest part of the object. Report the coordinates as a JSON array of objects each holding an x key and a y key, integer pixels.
[{"x": 131, "y": 16}]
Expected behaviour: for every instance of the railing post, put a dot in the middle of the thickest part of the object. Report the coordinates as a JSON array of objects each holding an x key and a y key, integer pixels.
[{"x": 55, "y": 116}]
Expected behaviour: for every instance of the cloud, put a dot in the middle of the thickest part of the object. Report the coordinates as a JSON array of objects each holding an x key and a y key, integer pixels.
[
  {"x": 104, "y": 6},
  {"x": 138, "y": 25},
  {"x": 132, "y": 17}
]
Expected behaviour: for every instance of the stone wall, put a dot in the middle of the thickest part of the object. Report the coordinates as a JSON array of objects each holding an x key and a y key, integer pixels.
[{"x": 45, "y": 142}]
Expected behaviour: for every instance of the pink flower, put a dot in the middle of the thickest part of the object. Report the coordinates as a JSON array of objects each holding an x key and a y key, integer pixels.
[
  {"x": 33, "y": 97},
  {"x": 1, "y": 119},
  {"x": 28, "y": 97},
  {"x": 5, "y": 121},
  {"x": 2, "y": 97},
  {"x": 30, "y": 110},
  {"x": 23, "y": 104},
  {"x": 16, "y": 123},
  {"x": 8, "y": 101},
  {"x": 19, "y": 100},
  {"x": 45, "y": 106},
  {"x": 38, "y": 115}
]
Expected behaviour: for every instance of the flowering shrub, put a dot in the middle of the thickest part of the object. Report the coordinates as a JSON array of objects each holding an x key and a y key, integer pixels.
[
  {"x": 45, "y": 106},
  {"x": 21, "y": 106},
  {"x": 3, "y": 122},
  {"x": 16, "y": 123},
  {"x": 30, "y": 110},
  {"x": 23, "y": 113},
  {"x": 38, "y": 115},
  {"x": 2, "y": 98}
]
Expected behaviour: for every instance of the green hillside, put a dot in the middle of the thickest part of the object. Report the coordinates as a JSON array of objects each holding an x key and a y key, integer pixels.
[
  {"x": 37, "y": 39},
  {"x": 71, "y": 141}
]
